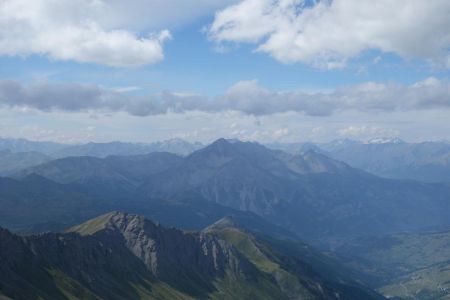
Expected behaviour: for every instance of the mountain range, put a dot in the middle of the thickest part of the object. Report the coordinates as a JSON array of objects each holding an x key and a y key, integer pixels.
[
  {"x": 125, "y": 256},
  {"x": 59, "y": 150},
  {"x": 385, "y": 157},
  {"x": 18, "y": 154},
  {"x": 23, "y": 145},
  {"x": 390, "y": 158},
  {"x": 310, "y": 194},
  {"x": 176, "y": 146},
  {"x": 13, "y": 162}
]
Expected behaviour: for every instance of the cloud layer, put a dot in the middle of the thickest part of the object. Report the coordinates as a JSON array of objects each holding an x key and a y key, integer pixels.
[
  {"x": 106, "y": 32},
  {"x": 246, "y": 97},
  {"x": 328, "y": 33}
]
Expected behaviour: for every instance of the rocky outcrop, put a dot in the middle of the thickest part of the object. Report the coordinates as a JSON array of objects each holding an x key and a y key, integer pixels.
[
  {"x": 167, "y": 252},
  {"x": 125, "y": 256},
  {"x": 111, "y": 255}
]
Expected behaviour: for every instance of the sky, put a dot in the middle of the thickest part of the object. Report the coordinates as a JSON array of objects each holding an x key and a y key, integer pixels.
[{"x": 75, "y": 71}]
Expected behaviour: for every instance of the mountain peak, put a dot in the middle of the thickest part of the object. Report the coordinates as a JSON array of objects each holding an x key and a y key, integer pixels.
[
  {"x": 225, "y": 222},
  {"x": 312, "y": 161},
  {"x": 220, "y": 147},
  {"x": 221, "y": 142},
  {"x": 250, "y": 223},
  {"x": 113, "y": 220}
]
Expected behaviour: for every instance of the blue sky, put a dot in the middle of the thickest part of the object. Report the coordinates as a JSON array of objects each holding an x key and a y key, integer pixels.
[
  {"x": 191, "y": 63},
  {"x": 222, "y": 75}
]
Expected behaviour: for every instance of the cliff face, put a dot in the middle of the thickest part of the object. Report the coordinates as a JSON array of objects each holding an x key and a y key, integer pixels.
[
  {"x": 124, "y": 256},
  {"x": 167, "y": 253},
  {"x": 113, "y": 257}
]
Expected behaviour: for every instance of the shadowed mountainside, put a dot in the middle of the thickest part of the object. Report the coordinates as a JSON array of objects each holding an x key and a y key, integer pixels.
[
  {"x": 118, "y": 255},
  {"x": 310, "y": 194}
]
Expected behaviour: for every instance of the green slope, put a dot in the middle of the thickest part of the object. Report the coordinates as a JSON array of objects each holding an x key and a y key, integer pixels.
[
  {"x": 298, "y": 270},
  {"x": 109, "y": 258},
  {"x": 125, "y": 256}
]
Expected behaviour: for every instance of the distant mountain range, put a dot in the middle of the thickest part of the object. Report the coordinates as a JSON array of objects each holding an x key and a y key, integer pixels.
[
  {"x": 59, "y": 150},
  {"x": 124, "y": 256},
  {"x": 23, "y": 145},
  {"x": 310, "y": 194},
  {"x": 102, "y": 150},
  {"x": 117, "y": 175},
  {"x": 385, "y": 157},
  {"x": 17, "y": 154},
  {"x": 13, "y": 162},
  {"x": 390, "y": 158}
]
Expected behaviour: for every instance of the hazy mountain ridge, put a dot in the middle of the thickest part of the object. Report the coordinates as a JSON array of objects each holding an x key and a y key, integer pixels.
[
  {"x": 119, "y": 255},
  {"x": 386, "y": 157},
  {"x": 102, "y": 150},
  {"x": 327, "y": 192},
  {"x": 113, "y": 174},
  {"x": 95, "y": 149},
  {"x": 35, "y": 202},
  {"x": 309, "y": 193},
  {"x": 23, "y": 145},
  {"x": 12, "y": 162}
]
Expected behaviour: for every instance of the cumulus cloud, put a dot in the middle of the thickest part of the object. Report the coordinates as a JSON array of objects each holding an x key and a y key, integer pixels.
[
  {"x": 247, "y": 97},
  {"x": 106, "y": 32},
  {"x": 87, "y": 97},
  {"x": 328, "y": 33},
  {"x": 251, "y": 98}
]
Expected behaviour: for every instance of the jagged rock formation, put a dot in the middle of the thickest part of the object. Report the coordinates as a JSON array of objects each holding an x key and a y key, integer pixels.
[{"x": 124, "y": 256}]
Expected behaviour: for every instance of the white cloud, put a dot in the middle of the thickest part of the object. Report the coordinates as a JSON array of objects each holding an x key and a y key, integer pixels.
[
  {"x": 280, "y": 133},
  {"x": 367, "y": 132},
  {"x": 126, "y": 89},
  {"x": 154, "y": 14},
  {"x": 106, "y": 32},
  {"x": 247, "y": 97},
  {"x": 417, "y": 125},
  {"x": 328, "y": 33}
]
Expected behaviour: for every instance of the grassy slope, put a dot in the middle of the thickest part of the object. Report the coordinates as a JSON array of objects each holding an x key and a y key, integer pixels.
[
  {"x": 292, "y": 264},
  {"x": 231, "y": 286},
  {"x": 227, "y": 288},
  {"x": 74, "y": 290},
  {"x": 252, "y": 250}
]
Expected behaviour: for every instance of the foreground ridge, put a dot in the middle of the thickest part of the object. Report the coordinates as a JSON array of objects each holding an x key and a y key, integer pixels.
[{"x": 125, "y": 256}]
